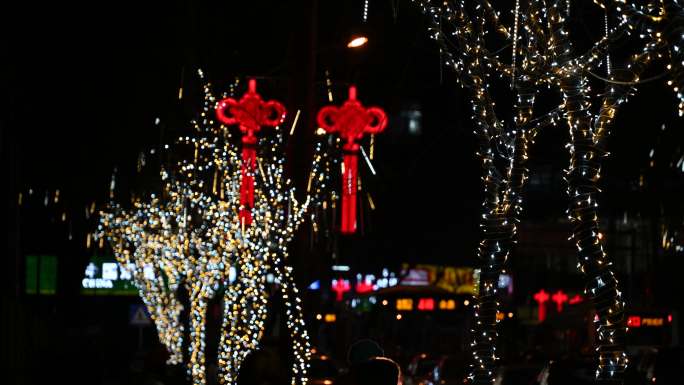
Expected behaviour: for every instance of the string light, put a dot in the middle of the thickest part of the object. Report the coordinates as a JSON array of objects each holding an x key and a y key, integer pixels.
[
  {"x": 515, "y": 41},
  {"x": 546, "y": 60},
  {"x": 191, "y": 235},
  {"x": 605, "y": 20}
]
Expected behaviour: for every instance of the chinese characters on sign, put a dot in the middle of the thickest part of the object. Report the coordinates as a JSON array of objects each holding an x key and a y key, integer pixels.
[{"x": 106, "y": 276}]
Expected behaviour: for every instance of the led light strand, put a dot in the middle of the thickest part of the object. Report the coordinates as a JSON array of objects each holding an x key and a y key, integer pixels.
[
  {"x": 192, "y": 234},
  {"x": 547, "y": 61}
]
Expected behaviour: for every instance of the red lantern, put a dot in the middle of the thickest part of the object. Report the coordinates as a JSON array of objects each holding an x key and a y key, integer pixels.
[
  {"x": 250, "y": 113},
  {"x": 559, "y": 298},
  {"x": 340, "y": 286},
  {"x": 541, "y": 297},
  {"x": 351, "y": 122}
]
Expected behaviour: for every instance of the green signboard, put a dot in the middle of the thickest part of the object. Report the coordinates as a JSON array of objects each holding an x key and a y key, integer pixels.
[
  {"x": 31, "y": 274},
  {"x": 41, "y": 274},
  {"x": 105, "y": 276}
]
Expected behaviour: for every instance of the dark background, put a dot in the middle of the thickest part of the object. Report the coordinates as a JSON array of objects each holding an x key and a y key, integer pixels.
[{"x": 82, "y": 84}]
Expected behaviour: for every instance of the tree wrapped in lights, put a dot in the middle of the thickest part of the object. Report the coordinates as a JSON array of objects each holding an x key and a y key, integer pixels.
[
  {"x": 164, "y": 248},
  {"x": 502, "y": 150},
  {"x": 277, "y": 214},
  {"x": 197, "y": 231},
  {"x": 140, "y": 244},
  {"x": 540, "y": 41},
  {"x": 662, "y": 22}
]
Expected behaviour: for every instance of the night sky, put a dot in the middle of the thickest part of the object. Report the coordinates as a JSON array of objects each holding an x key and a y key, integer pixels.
[{"x": 86, "y": 82}]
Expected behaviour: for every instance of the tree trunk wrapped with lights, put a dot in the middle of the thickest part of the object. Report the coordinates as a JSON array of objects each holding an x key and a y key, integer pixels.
[
  {"x": 588, "y": 134},
  {"x": 277, "y": 216},
  {"x": 502, "y": 183},
  {"x": 141, "y": 247},
  {"x": 546, "y": 60},
  {"x": 198, "y": 234}
]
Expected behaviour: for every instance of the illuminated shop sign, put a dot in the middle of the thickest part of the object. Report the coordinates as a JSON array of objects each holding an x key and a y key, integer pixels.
[
  {"x": 416, "y": 277},
  {"x": 405, "y": 304},
  {"x": 105, "y": 276},
  {"x": 447, "y": 304},
  {"x": 637, "y": 321},
  {"x": 458, "y": 280},
  {"x": 425, "y": 304},
  {"x": 365, "y": 283}
]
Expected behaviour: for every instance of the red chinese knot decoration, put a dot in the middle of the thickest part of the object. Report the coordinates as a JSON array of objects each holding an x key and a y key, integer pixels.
[
  {"x": 351, "y": 122},
  {"x": 559, "y": 298},
  {"x": 250, "y": 113},
  {"x": 340, "y": 286},
  {"x": 541, "y": 297}
]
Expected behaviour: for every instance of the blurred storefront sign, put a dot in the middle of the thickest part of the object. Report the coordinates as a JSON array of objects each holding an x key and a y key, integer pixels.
[
  {"x": 458, "y": 280},
  {"x": 105, "y": 276},
  {"x": 425, "y": 304},
  {"x": 41, "y": 274},
  {"x": 455, "y": 280},
  {"x": 637, "y": 321},
  {"x": 358, "y": 283}
]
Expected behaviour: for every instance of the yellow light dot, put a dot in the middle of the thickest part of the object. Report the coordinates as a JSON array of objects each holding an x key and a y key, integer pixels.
[{"x": 399, "y": 316}]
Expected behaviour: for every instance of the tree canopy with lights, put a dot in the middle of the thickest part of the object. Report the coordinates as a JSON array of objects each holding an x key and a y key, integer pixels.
[
  {"x": 203, "y": 233},
  {"x": 545, "y": 61}
]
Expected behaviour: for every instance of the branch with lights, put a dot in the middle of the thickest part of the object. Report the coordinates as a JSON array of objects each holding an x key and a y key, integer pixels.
[
  {"x": 221, "y": 214},
  {"x": 503, "y": 153},
  {"x": 542, "y": 55}
]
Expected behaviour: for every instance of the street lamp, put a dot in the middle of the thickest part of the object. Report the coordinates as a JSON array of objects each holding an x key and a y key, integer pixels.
[{"x": 357, "y": 41}]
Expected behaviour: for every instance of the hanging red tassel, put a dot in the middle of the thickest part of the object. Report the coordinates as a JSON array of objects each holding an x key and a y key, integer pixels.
[
  {"x": 250, "y": 113},
  {"x": 351, "y": 121}
]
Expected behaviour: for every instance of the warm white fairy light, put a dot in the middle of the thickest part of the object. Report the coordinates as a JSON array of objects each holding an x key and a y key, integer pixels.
[
  {"x": 514, "y": 55},
  {"x": 606, "y": 34},
  {"x": 547, "y": 60},
  {"x": 138, "y": 242},
  {"x": 192, "y": 236}
]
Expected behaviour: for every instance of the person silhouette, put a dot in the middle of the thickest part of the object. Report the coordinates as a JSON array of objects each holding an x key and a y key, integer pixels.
[
  {"x": 359, "y": 352},
  {"x": 363, "y": 350},
  {"x": 377, "y": 371}
]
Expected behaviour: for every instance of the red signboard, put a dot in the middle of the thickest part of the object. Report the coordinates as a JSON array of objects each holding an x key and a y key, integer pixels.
[{"x": 426, "y": 304}]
